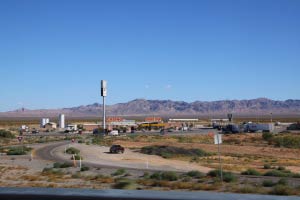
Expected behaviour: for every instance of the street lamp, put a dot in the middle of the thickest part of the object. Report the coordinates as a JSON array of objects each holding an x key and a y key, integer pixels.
[{"x": 104, "y": 94}]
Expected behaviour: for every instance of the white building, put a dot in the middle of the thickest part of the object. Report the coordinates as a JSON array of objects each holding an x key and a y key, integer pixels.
[{"x": 61, "y": 121}]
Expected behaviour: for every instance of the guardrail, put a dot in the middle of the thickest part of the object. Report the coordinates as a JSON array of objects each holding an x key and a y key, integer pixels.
[{"x": 82, "y": 194}]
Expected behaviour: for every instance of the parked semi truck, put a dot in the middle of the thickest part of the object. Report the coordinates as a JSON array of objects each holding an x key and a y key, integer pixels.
[{"x": 254, "y": 127}]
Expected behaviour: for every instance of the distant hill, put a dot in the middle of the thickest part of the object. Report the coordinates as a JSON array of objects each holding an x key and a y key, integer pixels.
[{"x": 142, "y": 107}]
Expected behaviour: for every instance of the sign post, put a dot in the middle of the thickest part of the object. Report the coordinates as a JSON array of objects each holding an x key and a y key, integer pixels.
[{"x": 218, "y": 141}]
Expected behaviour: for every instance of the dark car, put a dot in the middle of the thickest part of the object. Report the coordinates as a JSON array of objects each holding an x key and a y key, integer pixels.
[{"x": 116, "y": 149}]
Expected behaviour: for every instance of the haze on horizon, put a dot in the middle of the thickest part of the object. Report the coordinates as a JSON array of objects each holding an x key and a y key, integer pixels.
[{"x": 53, "y": 54}]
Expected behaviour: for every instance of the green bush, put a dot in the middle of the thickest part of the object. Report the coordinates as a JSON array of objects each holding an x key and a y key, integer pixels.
[
  {"x": 195, "y": 174},
  {"x": 171, "y": 152},
  {"x": 6, "y": 134},
  {"x": 84, "y": 168},
  {"x": 281, "y": 168},
  {"x": 268, "y": 183},
  {"x": 155, "y": 176},
  {"x": 214, "y": 173},
  {"x": 124, "y": 184},
  {"x": 62, "y": 165},
  {"x": 18, "y": 150},
  {"x": 282, "y": 190},
  {"x": 169, "y": 176},
  {"x": 252, "y": 172},
  {"x": 276, "y": 173},
  {"x": 267, "y": 136},
  {"x": 119, "y": 172},
  {"x": 52, "y": 171},
  {"x": 267, "y": 166},
  {"x": 166, "y": 176},
  {"x": 288, "y": 141},
  {"x": 77, "y": 157},
  {"x": 282, "y": 181},
  {"x": 73, "y": 150},
  {"x": 227, "y": 176}
]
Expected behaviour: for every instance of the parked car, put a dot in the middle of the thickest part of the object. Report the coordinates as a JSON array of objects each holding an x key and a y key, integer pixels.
[
  {"x": 34, "y": 131},
  {"x": 114, "y": 133},
  {"x": 116, "y": 149}
]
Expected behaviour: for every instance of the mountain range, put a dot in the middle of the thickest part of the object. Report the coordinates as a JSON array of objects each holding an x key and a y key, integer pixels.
[{"x": 143, "y": 107}]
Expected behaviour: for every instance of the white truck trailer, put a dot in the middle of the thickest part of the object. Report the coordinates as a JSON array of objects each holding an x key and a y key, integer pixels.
[{"x": 255, "y": 127}]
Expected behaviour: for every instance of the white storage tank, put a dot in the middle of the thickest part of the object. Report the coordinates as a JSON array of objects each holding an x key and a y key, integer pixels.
[
  {"x": 62, "y": 121},
  {"x": 44, "y": 121}
]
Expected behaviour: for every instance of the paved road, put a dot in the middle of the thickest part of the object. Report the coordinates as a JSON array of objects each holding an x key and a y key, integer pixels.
[
  {"x": 97, "y": 157},
  {"x": 80, "y": 194},
  {"x": 47, "y": 153}
]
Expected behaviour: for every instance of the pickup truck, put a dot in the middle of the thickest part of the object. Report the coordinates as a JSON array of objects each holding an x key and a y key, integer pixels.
[{"x": 116, "y": 149}]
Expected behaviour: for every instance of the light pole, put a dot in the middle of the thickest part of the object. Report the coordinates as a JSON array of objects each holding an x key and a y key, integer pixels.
[
  {"x": 271, "y": 117},
  {"x": 104, "y": 94}
]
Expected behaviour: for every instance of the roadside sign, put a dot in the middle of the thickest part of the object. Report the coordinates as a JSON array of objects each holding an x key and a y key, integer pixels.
[
  {"x": 218, "y": 139},
  {"x": 20, "y": 138}
]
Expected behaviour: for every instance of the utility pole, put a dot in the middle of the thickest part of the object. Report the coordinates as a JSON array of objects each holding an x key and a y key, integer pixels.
[
  {"x": 271, "y": 117},
  {"x": 104, "y": 94}
]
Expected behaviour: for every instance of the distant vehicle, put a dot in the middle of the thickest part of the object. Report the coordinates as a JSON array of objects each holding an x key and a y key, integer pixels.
[
  {"x": 253, "y": 127},
  {"x": 34, "y": 131},
  {"x": 114, "y": 133},
  {"x": 116, "y": 149},
  {"x": 231, "y": 128}
]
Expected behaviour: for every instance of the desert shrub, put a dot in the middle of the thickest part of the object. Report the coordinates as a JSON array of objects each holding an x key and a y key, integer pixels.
[
  {"x": 281, "y": 168},
  {"x": 276, "y": 173},
  {"x": 214, "y": 173},
  {"x": 51, "y": 171},
  {"x": 267, "y": 136},
  {"x": 227, "y": 176},
  {"x": 296, "y": 175},
  {"x": 195, "y": 174},
  {"x": 252, "y": 172},
  {"x": 6, "y": 134},
  {"x": 247, "y": 190},
  {"x": 124, "y": 184},
  {"x": 18, "y": 150},
  {"x": 146, "y": 175},
  {"x": 155, "y": 176},
  {"x": 119, "y": 172},
  {"x": 166, "y": 176},
  {"x": 62, "y": 165},
  {"x": 77, "y": 157},
  {"x": 288, "y": 141},
  {"x": 170, "y": 152},
  {"x": 282, "y": 181},
  {"x": 169, "y": 176},
  {"x": 267, "y": 166},
  {"x": 282, "y": 190},
  {"x": 84, "y": 168},
  {"x": 268, "y": 183},
  {"x": 73, "y": 150}
]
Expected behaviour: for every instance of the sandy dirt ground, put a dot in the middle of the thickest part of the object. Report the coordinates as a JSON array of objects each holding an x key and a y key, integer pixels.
[
  {"x": 230, "y": 149},
  {"x": 130, "y": 159}
]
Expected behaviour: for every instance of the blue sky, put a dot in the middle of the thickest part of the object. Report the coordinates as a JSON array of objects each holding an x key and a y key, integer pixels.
[{"x": 54, "y": 53}]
